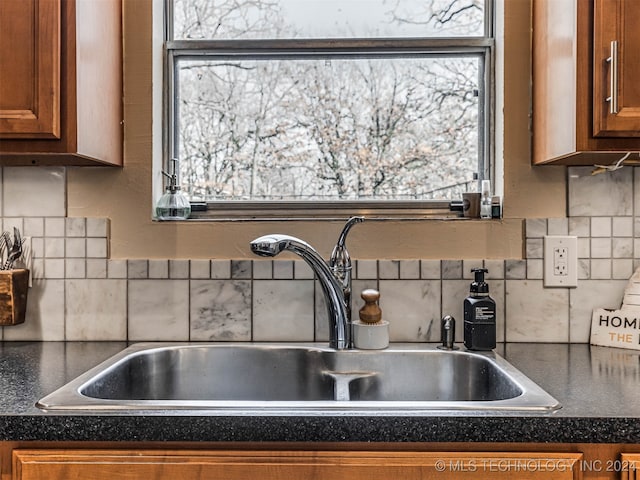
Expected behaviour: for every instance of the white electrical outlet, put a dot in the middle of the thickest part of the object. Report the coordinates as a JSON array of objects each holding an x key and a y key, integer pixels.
[{"x": 560, "y": 261}]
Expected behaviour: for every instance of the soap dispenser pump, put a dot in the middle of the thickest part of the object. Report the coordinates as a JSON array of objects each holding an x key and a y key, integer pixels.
[
  {"x": 173, "y": 205},
  {"x": 479, "y": 315}
]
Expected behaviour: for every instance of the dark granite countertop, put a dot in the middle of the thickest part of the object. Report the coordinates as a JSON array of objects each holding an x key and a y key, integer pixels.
[{"x": 598, "y": 387}]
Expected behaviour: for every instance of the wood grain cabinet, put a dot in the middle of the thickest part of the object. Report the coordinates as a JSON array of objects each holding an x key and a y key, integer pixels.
[
  {"x": 629, "y": 466},
  {"x": 61, "y": 82},
  {"x": 278, "y": 465},
  {"x": 586, "y": 94}
]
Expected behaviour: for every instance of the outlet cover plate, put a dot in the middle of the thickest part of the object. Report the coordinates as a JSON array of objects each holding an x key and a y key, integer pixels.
[{"x": 560, "y": 261}]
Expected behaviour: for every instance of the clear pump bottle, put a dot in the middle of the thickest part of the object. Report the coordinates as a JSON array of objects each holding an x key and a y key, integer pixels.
[{"x": 173, "y": 205}]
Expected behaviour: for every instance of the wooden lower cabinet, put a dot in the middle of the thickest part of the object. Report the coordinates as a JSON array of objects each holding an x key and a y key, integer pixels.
[
  {"x": 54, "y": 464},
  {"x": 630, "y": 466}
]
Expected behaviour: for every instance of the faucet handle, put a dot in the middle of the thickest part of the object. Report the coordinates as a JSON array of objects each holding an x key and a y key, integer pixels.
[{"x": 340, "y": 256}]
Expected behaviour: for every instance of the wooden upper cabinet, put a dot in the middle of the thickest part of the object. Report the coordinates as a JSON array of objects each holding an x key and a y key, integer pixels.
[
  {"x": 61, "y": 82},
  {"x": 616, "y": 76},
  {"x": 30, "y": 69},
  {"x": 572, "y": 123}
]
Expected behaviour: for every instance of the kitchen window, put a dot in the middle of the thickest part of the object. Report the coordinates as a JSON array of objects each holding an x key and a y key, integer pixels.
[{"x": 310, "y": 106}]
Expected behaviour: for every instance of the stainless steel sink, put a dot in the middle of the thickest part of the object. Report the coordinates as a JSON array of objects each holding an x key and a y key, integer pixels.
[{"x": 276, "y": 377}]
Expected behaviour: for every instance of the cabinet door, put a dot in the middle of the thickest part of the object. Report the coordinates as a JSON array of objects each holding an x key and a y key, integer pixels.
[
  {"x": 616, "y": 101},
  {"x": 30, "y": 69},
  {"x": 285, "y": 465},
  {"x": 629, "y": 466}
]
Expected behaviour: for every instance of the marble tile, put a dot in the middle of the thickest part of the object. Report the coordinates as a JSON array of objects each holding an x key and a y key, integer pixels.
[
  {"x": 75, "y": 247},
  {"x": 601, "y": 269},
  {"x": 621, "y": 268},
  {"x": 607, "y": 194},
  {"x": 97, "y": 227},
  {"x": 584, "y": 247},
  {"x": 601, "y": 227},
  {"x": 200, "y": 269},
  {"x": 283, "y": 269},
  {"x": 54, "y": 248},
  {"x": 97, "y": 248},
  {"x": 452, "y": 269},
  {"x": 96, "y": 310},
  {"x": 515, "y": 269},
  {"x": 584, "y": 269},
  {"x": 75, "y": 268},
  {"x": 589, "y": 295},
  {"x": 601, "y": 247},
  {"x": 179, "y": 269},
  {"x": 534, "y": 248},
  {"x": 44, "y": 319},
  {"x": 241, "y": 269},
  {"x": 283, "y": 310},
  {"x": 37, "y": 268},
  {"x": 430, "y": 269},
  {"x": 535, "y": 269},
  {"x": 96, "y": 268},
  {"x": 220, "y": 269},
  {"x": 622, "y": 227},
  {"x": 580, "y": 226},
  {"x": 37, "y": 247},
  {"x": 409, "y": 269},
  {"x": 366, "y": 269},
  {"x": 557, "y": 226},
  {"x": 158, "y": 268},
  {"x": 137, "y": 269},
  {"x": 495, "y": 269},
  {"x": 34, "y": 192},
  {"x": 636, "y": 198},
  {"x": 75, "y": 227},
  {"x": 53, "y": 268},
  {"x": 535, "y": 313},
  {"x": 535, "y": 227},
  {"x": 33, "y": 227},
  {"x": 117, "y": 269},
  {"x": 389, "y": 269},
  {"x": 158, "y": 310},
  {"x": 622, "y": 247},
  {"x": 220, "y": 310},
  {"x": 54, "y": 227},
  {"x": 13, "y": 222},
  {"x": 262, "y": 269},
  {"x": 412, "y": 308}
]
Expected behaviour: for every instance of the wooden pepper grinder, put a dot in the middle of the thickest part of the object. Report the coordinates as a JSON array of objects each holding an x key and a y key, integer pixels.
[
  {"x": 370, "y": 312},
  {"x": 371, "y": 332}
]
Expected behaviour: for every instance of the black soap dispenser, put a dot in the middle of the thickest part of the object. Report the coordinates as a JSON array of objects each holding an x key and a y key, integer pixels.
[{"x": 479, "y": 315}]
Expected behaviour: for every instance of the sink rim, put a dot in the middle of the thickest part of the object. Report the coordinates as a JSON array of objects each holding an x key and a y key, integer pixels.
[{"x": 69, "y": 397}]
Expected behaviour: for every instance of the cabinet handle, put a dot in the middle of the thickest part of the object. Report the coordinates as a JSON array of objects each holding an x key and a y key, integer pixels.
[{"x": 613, "y": 78}]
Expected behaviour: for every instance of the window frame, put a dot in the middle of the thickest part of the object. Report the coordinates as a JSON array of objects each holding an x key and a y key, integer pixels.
[{"x": 481, "y": 47}]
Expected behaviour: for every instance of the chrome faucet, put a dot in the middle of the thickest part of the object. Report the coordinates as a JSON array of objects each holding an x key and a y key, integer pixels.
[
  {"x": 334, "y": 278},
  {"x": 340, "y": 264}
]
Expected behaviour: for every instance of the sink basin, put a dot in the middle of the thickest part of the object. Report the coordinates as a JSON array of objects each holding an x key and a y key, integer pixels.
[{"x": 271, "y": 377}]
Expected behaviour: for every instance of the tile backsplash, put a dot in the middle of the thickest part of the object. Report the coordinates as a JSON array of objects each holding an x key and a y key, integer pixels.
[{"x": 79, "y": 293}]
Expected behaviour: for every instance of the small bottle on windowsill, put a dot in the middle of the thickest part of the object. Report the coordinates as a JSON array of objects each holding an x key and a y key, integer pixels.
[{"x": 485, "y": 199}]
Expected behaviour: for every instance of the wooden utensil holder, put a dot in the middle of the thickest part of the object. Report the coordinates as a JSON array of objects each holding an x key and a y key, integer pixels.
[{"x": 13, "y": 296}]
